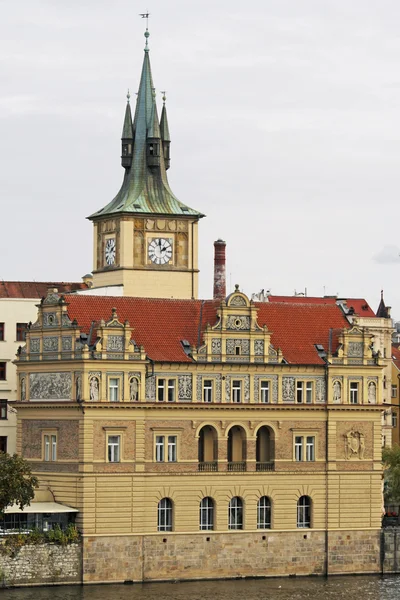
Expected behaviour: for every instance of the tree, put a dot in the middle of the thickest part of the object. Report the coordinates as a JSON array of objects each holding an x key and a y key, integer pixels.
[
  {"x": 391, "y": 463},
  {"x": 17, "y": 484}
]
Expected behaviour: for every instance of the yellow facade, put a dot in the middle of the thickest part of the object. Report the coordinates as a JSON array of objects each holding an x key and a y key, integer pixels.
[{"x": 240, "y": 444}]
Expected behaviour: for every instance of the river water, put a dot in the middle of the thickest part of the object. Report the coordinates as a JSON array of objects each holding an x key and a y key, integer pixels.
[{"x": 334, "y": 588}]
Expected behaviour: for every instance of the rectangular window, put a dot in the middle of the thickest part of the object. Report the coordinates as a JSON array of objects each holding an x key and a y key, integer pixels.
[
  {"x": 394, "y": 419},
  {"x": 50, "y": 447},
  {"x": 171, "y": 455},
  {"x": 208, "y": 390},
  {"x": 114, "y": 445},
  {"x": 113, "y": 388},
  {"x": 172, "y": 448},
  {"x": 21, "y": 332},
  {"x": 236, "y": 390},
  {"x": 159, "y": 448},
  {"x": 264, "y": 392},
  {"x": 304, "y": 448},
  {"x": 304, "y": 392},
  {"x": 3, "y": 410},
  {"x": 166, "y": 390},
  {"x": 3, "y": 443},
  {"x": 298, "y": 448},
  {"x": 1, "y": 332},
  {"x": 310, "y": 448},
  {"x": 353, "y": 392},
  {"x": 2, "y": 371},
  {"x": 394, "y": 391}
]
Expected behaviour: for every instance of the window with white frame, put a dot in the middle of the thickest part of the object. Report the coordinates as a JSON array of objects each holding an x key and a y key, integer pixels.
[
  {"x": 166, "y": 448},
  {"x": 50, "y": 447},
  {"x": 113, "y": 389},
  {"x": 164, "y": 516},
  {"x": 208, "y": 390},
  {"x": 354, "y": 392},
  {"x": 264, "y": 513},
  {"x": 235, "y": 513},
  {"x": 394, "y": 391},
  {"x": 207, "y": 514},
  {"x": 166, "y": 390},
  {"x": 114, "y": 448},
  {"x": 304, "y": 392},
  {"x": 3, "y": 410},
  {"x": 304, "y": 448},
  {"x": 264, "y": 391},
  {"x": 394, "y": 419},
  {"x": 304, "y": 512},
  {"x": 236, "y": 390}
]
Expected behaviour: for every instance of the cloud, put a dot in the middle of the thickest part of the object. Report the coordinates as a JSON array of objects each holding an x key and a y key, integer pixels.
[{"x": 388, "y": 255}]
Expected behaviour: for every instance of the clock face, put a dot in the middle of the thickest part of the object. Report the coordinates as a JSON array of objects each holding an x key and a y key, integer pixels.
[
  {"x": 109, "y": 252},
  {"x": 160, "y": 251}
]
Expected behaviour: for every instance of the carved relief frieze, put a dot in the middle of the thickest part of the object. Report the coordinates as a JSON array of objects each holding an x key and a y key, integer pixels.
[
  {"x": 288, "y": 389},
  {"x": 50, "y": 386},
  {"x": 50, "y": 319},
  {"x": 115, "y": 343},
  {"x": 354, "y": 445},
  {"x": 237, "y": 322},
  {"x": 237, "y": 301},
  {"x": 50, "y": 344},
  {"x": 185, "y": 388},
  {"x": 151, "y": 388},
  {"x": 320, "y": 392},
  {"x": 243, "y": 344}
]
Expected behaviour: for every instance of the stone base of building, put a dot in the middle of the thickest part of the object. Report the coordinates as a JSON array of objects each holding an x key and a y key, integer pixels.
[{"x": 209, "y": 555}]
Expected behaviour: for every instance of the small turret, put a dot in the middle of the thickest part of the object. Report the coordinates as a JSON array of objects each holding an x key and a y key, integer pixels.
[
  {"x": 127, "y": 137},
  {"x": 153, "y": 143},
  {"x": 166, "y": 140}
]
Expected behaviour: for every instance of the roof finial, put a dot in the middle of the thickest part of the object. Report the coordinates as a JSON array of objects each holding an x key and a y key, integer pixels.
[
  {"x": 146, "y": 33},
  {"x": 128, "y": 96},
  {"x": 164, "y": 95},
  {"x": 381, "y": 294}
]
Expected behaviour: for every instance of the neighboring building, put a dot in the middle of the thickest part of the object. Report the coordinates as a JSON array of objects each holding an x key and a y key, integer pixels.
[
  {"x": 395, "y": 387},
  {"x": 18, "y": 307},
  {"x": 201, "y": 438}
]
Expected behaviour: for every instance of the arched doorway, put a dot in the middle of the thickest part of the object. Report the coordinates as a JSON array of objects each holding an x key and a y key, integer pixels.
[
  {"x": 265, "y": 449},
  {"x": 208, "y": 449},
  {"x": 237, "y": 449}
]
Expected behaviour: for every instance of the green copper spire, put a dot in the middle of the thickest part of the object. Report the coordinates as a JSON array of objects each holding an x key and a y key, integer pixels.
[
  {"x": 127, "y": 131},
  {"x": 164, "y": 122},
  {"x": 145, "y": 188}
]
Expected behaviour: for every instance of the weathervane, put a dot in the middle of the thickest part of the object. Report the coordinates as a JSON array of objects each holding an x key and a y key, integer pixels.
[
  {"x": 146, "y": 34},
  {"x": 164, "y": 95}
]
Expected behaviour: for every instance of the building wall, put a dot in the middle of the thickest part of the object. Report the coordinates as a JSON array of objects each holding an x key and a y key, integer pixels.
[{"x": 12, "y": 311}]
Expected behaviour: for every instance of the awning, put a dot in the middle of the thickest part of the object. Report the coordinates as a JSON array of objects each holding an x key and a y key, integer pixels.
[{"x": 41, "y": 507}]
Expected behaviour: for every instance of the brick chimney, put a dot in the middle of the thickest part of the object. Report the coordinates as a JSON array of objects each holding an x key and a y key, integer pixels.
[{"x": 219, "y": 270}]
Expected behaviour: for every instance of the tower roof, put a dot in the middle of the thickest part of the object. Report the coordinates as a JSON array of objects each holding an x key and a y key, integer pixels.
[
  {"x": 164, "y": 123},
  {"x": 127, "y": 131},
  {"x": 145, "y": 190}
]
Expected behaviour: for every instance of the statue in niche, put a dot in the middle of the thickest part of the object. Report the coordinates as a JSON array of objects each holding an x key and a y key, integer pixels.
[
  {"x": 94, "y": 389},
  {"x": 78, "y": 386},
  {"x": 337, "y": 392},
  {"x": 23, "y": 389},
  {"x": 371, "y": 393},
  {"x": 133, "y": 389},
  {"x": 354, "y": 444}
]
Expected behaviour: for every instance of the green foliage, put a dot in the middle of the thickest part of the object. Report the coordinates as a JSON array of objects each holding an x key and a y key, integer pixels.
[
  {"x": 391, "y": 462},
  {"x": 13, "y": 543},
  {"x": 17, "y": 484}
]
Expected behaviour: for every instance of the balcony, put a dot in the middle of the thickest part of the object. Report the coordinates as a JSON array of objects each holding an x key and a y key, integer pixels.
[
  {"x": 265, "y": 466},
  {"x": 237, "y": 466},
  {"x": 208, "y": 466}
]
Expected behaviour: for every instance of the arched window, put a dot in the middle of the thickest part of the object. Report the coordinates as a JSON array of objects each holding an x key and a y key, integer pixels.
[
  {"x": 235, "y": 513},
  {"x": 207, "y": 513},
  {"x": 264, "y": 513},
  {"x": 165, "y": 515},
  {"x": 304, "y": 511}
]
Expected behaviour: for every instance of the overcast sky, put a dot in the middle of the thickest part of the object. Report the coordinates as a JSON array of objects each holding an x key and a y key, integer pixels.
[{"x": 285, "y": 124}]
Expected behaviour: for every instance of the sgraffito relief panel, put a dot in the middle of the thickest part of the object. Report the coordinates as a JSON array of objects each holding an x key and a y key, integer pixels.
[
  {"x": 115, "y": 343},
  {"x": 355, "y": 349},
  {"x": 237, "y": 322},
  {"x": 185, "y": 388},
  {"x": 259, "y": 347},
  {"x": 320, "y": 392},
  {"x": 216, "y": 346},
  {"x": 244, "y": 346},
  {"x": 50, "y": 343},
  {"x": 50, "y": 386},
  {"x": 34, "y": 345},
  {"x": 66, "y": 343},
  {"x": 151, "y": 388},
  {"x": 288, "y": 389}
]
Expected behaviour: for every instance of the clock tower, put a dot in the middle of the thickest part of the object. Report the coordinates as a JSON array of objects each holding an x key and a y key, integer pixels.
[{"x": 145, "y": 239}]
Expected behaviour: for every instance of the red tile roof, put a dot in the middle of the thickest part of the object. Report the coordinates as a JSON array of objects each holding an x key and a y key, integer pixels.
[
  {"x": 161, "y": 324},
  {"x": 360, "y": 306},
  {"x": 396, "y": 356},
  {"x": 35, "y": 289}
]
